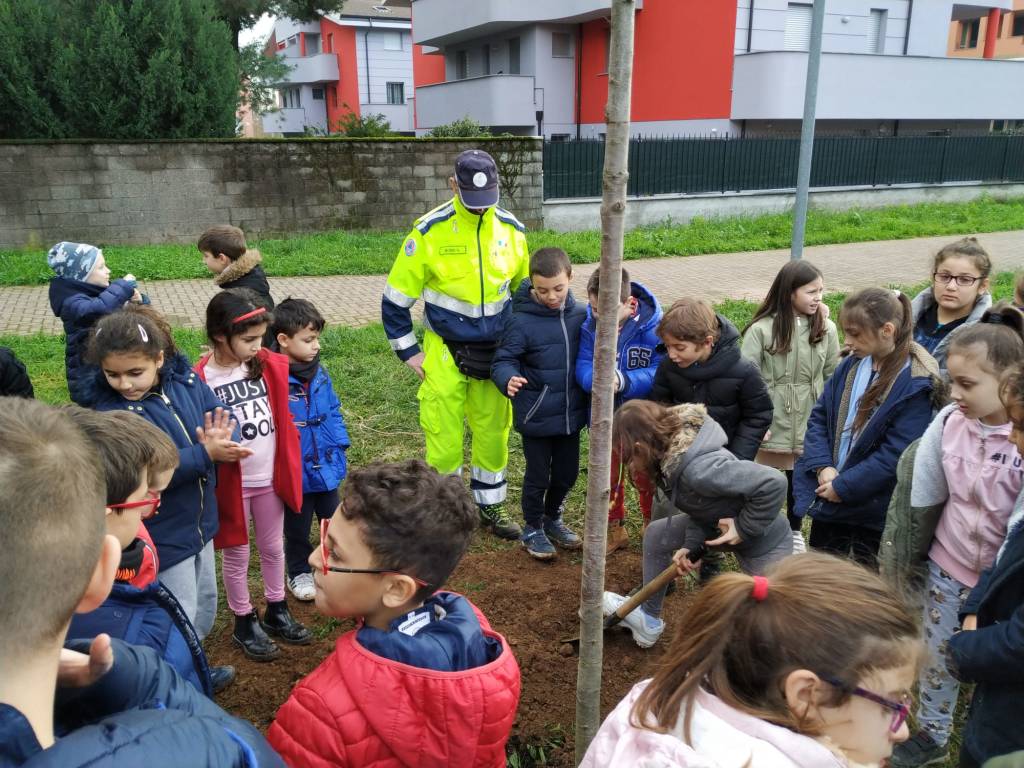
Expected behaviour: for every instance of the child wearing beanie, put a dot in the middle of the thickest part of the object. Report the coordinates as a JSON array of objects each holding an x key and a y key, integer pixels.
[{"x": 80, "y": 293}]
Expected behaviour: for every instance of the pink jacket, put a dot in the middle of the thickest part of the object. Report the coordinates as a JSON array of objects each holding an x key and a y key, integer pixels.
[
  {"x": 721, "y": 736},
  {"x": 981, "y": 479}
]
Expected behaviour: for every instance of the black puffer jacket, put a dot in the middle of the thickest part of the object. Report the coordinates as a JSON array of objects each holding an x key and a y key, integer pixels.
[
  {"x": 14, "y": 381},
  {"x": 540, "y": 344},
  {"x": 728, "y": 384}
]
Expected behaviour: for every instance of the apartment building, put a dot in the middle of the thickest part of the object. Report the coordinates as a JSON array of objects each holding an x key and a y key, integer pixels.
[
  {"x": 998, "y": 34},
  {"x": 359, "y": 61},
  {"x": 728, "y": 66}
]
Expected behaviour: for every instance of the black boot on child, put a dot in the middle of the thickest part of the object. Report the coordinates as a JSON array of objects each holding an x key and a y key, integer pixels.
[
  {"x": 279, "y": 622},
  {"x": 253, "y": 640}
]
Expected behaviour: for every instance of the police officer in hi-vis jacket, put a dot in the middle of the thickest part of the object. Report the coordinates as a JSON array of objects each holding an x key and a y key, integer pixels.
[{"x": 465, "y": 259}]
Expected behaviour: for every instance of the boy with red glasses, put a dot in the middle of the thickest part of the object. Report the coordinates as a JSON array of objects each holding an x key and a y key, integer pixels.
[
  {"x": 138, "y": 460},
  {"x": 421, "y": 662}
]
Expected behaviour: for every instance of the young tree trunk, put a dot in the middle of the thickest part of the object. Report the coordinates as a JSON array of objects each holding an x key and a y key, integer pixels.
[{"x": 613, "y": 210}]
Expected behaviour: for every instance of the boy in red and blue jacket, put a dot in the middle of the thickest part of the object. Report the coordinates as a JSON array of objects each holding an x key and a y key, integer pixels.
[
  {"x": 636, "y": 360},
  {"x": 423, "y": 680},
  {"x": 323, "y": 437}
]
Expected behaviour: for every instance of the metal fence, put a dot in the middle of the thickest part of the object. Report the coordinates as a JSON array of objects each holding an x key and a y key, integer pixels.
[{"x": 695, "y": 165}]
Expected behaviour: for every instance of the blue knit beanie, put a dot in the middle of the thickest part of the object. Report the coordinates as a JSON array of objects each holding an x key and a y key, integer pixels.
[{"x": 73, "y": 261}]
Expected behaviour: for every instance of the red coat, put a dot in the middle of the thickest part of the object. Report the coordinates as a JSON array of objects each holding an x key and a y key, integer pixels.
[
  {"x": 360, "y": 710},
  {"x": 287, "y": 457}
]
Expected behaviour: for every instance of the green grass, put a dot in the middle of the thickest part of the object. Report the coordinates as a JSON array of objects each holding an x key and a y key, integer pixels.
[{"x": 369, "y": 253}]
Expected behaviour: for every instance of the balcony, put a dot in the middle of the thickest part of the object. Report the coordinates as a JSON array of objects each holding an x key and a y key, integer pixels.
[
  {"x": 494, "y": 100},
  {"x": 446, "y": 22},
  {"x": 284, "y": 121},
  {"x": 319, "y": 68},
  {"x": 770, "y": 86}
]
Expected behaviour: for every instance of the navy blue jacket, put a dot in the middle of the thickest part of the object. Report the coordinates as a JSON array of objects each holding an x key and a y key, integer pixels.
[
  {"x": 324, "y": 438},
  {"x": 729, "y": 385},
  {"x": 636, "y": 356},
  {"x": 152, "y": 617},
  {"x": 141, "y": 713},
  {"x": 993, "y": 655},
  {"x": 79, "y": 305},
  {"x": 540, "y": 344},
  {"x": 188, "y": 507},
  {"x": 867, "y": 478},
  {"x": 450, "y": 638}
]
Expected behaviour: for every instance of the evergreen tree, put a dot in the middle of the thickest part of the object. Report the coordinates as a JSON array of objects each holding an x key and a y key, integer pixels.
[{"x": 116, "y": 69}]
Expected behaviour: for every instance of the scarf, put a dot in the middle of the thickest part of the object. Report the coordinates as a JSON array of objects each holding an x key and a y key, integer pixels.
[{"x": 304, "y": 372}]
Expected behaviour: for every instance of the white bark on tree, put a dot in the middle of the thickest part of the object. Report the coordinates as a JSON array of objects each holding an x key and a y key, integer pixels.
[{"x": 613, "y": 211}]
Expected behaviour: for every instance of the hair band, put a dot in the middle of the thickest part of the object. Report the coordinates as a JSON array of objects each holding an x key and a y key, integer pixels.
[
  {"x": 247, "y": 315},
  {"x": 142, "y": 333},
  {"x": 760, "y": 590},
  {"x": 993, "y": 319}
]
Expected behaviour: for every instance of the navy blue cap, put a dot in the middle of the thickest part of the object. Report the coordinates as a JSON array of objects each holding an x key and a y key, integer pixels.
[{"x": 477, "y": 177}]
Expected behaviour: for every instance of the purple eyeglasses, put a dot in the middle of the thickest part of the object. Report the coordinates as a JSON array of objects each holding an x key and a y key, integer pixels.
[{"x": 900, "y": 709}]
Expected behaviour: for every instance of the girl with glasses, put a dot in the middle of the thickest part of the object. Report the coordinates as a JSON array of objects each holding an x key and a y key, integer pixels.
[
  {"x": 810, "y": 667},
  {"x": 958, "y": 296}
]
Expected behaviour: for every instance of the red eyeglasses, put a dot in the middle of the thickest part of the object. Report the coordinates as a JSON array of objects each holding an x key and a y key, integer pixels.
[
  {"x": 152, "y": 501},
  {"x": 900, "y": 709},
  {"x": 327, "y": 568}
]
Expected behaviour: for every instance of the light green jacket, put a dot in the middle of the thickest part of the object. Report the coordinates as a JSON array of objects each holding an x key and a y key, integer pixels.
[{"x": 795, "y": 379}]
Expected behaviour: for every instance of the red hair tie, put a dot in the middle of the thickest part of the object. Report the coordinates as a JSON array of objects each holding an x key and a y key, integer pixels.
[
  {"x": 760, "y": 590},
  {"x": 247, "y": 315}
]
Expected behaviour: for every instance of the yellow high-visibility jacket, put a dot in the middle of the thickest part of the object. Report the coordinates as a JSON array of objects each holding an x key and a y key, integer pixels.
[{"x": 465, "y": 267}]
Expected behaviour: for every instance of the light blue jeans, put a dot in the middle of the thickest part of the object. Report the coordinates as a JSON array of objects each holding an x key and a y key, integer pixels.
[
  {"x": 194, "y": 582},
  {"x": 938, "y": 689}
]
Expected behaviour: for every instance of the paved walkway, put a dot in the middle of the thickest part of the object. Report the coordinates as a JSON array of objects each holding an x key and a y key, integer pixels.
[{"x": 356, "y": 300}]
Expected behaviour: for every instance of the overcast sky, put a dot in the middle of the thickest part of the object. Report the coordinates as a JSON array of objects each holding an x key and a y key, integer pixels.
[{"x": 259, "y": 33}]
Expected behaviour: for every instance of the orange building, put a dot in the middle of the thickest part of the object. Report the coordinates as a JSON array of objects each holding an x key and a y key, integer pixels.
[{"x": 997, "y": 34}]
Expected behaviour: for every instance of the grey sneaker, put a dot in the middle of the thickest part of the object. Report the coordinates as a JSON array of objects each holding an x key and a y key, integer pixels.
[
  {"x": 919, "y": 750},
  {"x": 536, "y": 543},
  {"x": 494, "y": 518},
  {"x": 646, "y": 629},
  {"x": 561, "y": 534}
]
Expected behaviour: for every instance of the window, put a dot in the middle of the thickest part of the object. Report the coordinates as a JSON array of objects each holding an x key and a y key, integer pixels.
[
  {"x": 876, "y": 30},
  {"x": 330, "y": 43},
  {"x": 290, "y": 98},
  {"x": 318, "y": 94},
  {"x": 969, "y": 34},
  {"x": 461, "y": 65},
  {"x": 293, "y": 40},
  {"x": 334, "y": 97},
  {"x": 1018, "y": 24},
  {"x": 513, "y": 55},
  {"x": 392, "y": 41},
  {"x": 486, "y": 58},
  {"x": 396, "y": 93},
  {"x": 559, "y": 137},
  {"x": 561, "y": 45},
  {"x": 798, "y": 27},
  {"x": 312, "y": 44}
]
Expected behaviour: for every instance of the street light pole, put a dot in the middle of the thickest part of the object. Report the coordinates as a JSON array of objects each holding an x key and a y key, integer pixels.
[{"x": 803, "y": 177}]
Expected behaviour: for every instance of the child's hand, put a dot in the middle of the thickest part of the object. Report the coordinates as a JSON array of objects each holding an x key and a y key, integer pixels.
[
  {"x": 514, "y": 385},
  {"x": 682, "y": 561},
  {"x": 76, "y": 670},
  {"x": 827, "y": 475},
  {"x": 216, "y": 436},
  {"x": 730, "y": 536},
  {"x": 136, "y": 297},
  {"x": 826, "y": 492},
  {"x": 970, "y": 623}
]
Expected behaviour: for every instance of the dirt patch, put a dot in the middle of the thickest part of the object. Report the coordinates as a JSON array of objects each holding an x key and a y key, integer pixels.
[{"x": 533, "y": 604}]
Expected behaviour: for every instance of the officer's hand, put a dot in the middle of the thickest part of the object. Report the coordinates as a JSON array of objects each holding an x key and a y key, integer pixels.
[
  {"x": 515, "y": 384},
  {"x": 416, "y": 363}
]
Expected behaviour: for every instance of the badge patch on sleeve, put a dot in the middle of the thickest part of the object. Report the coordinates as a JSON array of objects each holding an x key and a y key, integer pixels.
[{"x": 410, "y": 247}]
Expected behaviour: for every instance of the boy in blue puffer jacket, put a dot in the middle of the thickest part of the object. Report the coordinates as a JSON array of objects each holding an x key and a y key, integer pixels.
[
  {"x": 636, "y": 360},
  {"x": 535, "y": 366},
  {"x": 80, "y": 294},
  {"x": 317, "y": 413},
  {"x": 138, "y": 461},
  {"x": 101, "y": 704}
]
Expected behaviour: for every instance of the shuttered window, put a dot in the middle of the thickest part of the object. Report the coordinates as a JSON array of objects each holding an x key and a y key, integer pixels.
[
  {"x": 876, "y": 31},
  {"x": 798, "y": 27}
]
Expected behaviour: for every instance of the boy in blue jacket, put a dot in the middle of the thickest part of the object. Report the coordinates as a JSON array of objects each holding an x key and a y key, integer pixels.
[
  {"x": 636, "y": 360},
  {"x": 990, "y": 650},
  {"x": 317, "y": 413},
  {"x": 97, "y": 704},
  {"x": 80, "y": 294},
  {"x": 138, "y": 461},
  {"x": 534, "y": 365}
]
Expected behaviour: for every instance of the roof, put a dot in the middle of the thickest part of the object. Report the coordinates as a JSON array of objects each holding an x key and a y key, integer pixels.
[{"x": 374, "y": 9}]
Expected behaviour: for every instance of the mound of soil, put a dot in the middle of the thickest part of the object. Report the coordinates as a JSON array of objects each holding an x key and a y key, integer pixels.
[{"x": 533, "y": 604}]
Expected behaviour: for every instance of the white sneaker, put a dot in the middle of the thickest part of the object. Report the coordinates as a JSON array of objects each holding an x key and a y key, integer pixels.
[
  {"x": 302, "y": 587},
  {"x": 799, "y": 545},
  {"x": 645, "y": 629}
]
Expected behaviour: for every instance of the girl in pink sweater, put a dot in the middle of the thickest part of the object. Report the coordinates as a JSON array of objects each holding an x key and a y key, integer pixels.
[{"x": 966, "y": 462}]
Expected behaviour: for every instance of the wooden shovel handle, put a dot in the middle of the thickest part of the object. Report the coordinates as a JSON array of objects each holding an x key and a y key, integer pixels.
[{"x": 648, "y": 589}]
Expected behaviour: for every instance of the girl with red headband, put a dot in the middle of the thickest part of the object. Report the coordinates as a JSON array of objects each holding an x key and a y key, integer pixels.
[
  {"x": 809, "y": 667},
  {"x": 253, "y": 382}
]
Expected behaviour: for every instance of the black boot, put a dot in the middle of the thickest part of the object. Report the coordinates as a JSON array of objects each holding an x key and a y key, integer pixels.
[
  {"x": 279, "y": 622},
  {"x": 221, "y": 677},
  {"x": 253, "y": 640}
]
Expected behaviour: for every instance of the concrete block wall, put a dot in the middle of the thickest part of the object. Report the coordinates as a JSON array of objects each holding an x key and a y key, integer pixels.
[{"x": 110, "y": 193}]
